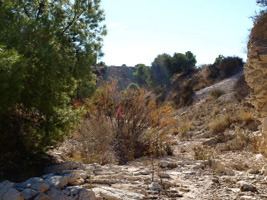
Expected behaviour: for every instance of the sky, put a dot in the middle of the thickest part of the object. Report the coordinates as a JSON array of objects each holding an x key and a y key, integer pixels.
[{"x": 139, "y": 30}]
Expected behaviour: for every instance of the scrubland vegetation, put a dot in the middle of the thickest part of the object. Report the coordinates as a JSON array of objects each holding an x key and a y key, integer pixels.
[{"x": 48, "y": 92}]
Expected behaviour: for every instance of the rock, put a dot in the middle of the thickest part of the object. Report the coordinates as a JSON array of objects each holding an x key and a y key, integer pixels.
[
  {"x": 145, "y": 172},
  {"x": 247, "y": 187},
  {"x": 64, "y": 166},
  {"x": 164, "y": 164},
  {"x": 228, "y": 97},
  {"x": 55, "y": 194},
  {"x": 116, "y": 194},
  {"x": 211, "y": 142},
  {"x": 86, "y": 195},
  {"x": 155, "y": 186},
  {"x": 40, "y": 187},
  {"x": 7, "y": 192},
  {"x": 56, "y": 181},
  {"x": 220, "y": 168},
  {"x": 75, "y": 179},
  {"x": 42, "y": 197},
  {"x": 29, "y": 193},
  {"x": 236, "y": 144},
  {"x": 163, "y": 175},
  {"x": 253, "y": 171}
]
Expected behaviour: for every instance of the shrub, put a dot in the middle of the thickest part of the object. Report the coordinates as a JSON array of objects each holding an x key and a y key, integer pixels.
[
  {"x": 220, "y": 124},
  {"x": 142, "y": 126},
  {"x": 202, "y": 153},
  {"x": 216, "y": 93}
]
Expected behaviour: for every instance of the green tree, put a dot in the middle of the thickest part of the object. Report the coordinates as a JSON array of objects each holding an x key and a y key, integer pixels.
[
  {"x": 57, "y": 41},
  {"x": 180, "y": 62},
  {"x": 160, "y": 70},
  {"x": 191, "y": 57},
  {"x": 142, "y": 74}
]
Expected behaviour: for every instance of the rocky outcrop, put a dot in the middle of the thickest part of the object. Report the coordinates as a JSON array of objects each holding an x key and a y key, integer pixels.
[
  {"x": 256, "y": 67},
  {"x": 256, "y": 72}
]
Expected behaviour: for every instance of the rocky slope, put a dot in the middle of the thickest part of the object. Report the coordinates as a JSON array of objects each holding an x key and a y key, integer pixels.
[{"x": 256, "y": 66}]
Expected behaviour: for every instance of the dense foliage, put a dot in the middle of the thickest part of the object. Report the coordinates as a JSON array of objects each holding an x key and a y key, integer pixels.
[
  {"x": 47, "y": 49},
  {"x": 142, "y": 74},
  {"x": 165, "y": 66}
]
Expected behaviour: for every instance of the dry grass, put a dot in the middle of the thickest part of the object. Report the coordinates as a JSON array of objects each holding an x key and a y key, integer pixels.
[
  {"x": 220, "y": 124},
  {"x": 184, "y": 126},
  {"x": 216, "y": 93},
  {"x": 246, "y": 116}
]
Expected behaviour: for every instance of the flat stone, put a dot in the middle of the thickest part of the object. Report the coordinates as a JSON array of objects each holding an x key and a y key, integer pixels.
[
  {"x": 116, "y": 194},
  {"x": 64, "y": 166},
  {"x": 40, "y": 187},
  {"x": 145, "y": 172}
]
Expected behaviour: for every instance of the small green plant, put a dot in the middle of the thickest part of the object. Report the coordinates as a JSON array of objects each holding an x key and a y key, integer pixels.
[{"x": 216, "y": 93}]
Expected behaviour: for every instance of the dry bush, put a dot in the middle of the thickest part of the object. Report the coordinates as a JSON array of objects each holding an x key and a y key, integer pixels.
[
  {"x": 246, "y": 116},
  {"x": 220, "y": 124},
  {"x": 142, "y": 127},
  {"x": 216, "y": 93},
  {"x": 203, "y": 153},
  {"x": 184, "y": 126},
  {"x": 215, "y": 111}
]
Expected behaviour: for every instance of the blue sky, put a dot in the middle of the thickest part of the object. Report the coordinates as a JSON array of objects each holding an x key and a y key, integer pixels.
[{"x": 139, "y": 30}]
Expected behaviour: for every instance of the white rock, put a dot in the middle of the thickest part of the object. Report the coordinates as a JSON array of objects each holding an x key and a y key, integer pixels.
[
  {"x": 117, "y": 194},
  {"x": 57, "y": 181}
]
